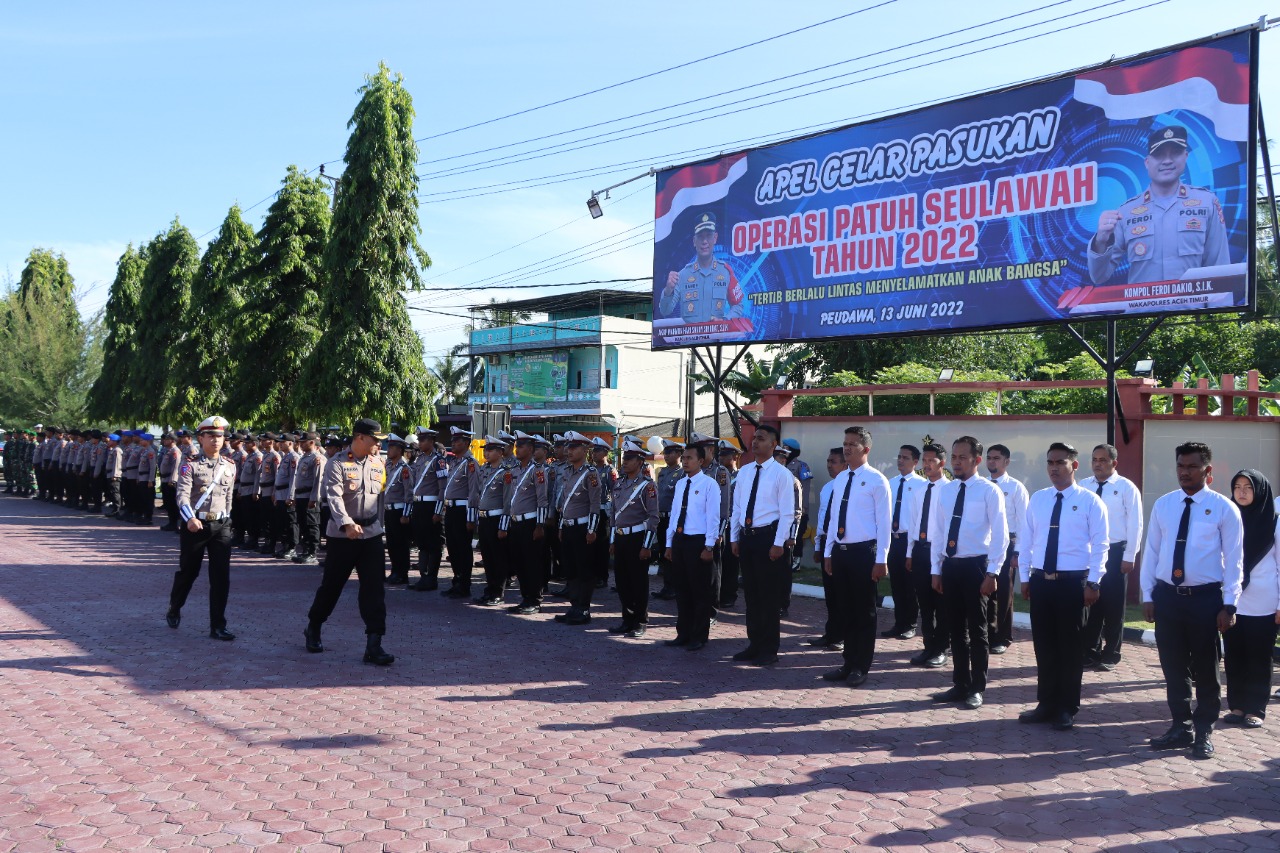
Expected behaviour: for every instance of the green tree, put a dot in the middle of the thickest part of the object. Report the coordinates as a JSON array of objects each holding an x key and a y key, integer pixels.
[
  {"x": 115, "y": 394},
  {"x": 451, "y": 375},
  {"x": 43, "y": 341},
  {"x": 756, "y": 376},
  {"x": 846, "y": 405},
  {"x": 1014, "y": 354},
  {"x": 369, "y": 359},
  {"x": 202, "y": 369},
  {"x": 163, "y": 304},
  {"x": 279, "y": 322}
]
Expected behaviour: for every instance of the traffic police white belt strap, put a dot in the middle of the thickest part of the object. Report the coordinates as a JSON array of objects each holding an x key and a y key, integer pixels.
[
  {"x": 574, "y": 522},
  {"x": 638, "y": 528},
  {"x": 432, "y": 498}
]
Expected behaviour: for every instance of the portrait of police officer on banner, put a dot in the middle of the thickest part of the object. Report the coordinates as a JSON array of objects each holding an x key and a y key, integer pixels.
[
  {"x": 705, "y": 289},
  {"x": 1167, "y": 230}
]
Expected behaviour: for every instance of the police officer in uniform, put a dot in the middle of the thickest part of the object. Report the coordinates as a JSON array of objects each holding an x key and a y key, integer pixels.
[
  {"x": 704, "y": 289},
  {"x": 398, "y": 509},
  {"x": 1167, "y": 230},
  {"x": 285, "y": 521},
  {"x": 486, "y": 506},
  {"x": 264, "y": 494},
  {"x": 113, "y": 472},
  {"x": 634, "y": 534},
  {"x": 353, "y": 481},
  {"x": 728, "y": 455},
  {"x": 169, "y": 465},
  {"x": 205, "y": 487},
  {"x": 600, "y": 550},
  {"x": 452, "y": 510},
  {"x": 579, "y": 512},
  {"x": 429, "y": 474},
  {"x": 667, "y": 478},
  {"x": 304, "y": 498},
  {"x": 247, "y": 487},
  {"x": 525, "y": 523},
  {"x": 146, "y": 482}
]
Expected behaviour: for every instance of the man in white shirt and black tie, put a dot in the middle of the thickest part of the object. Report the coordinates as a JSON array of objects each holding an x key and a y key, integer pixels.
[
  {"x": 764, "y": 507},
  {"x": 1060, "y": 557},
  {"x": 691, "y": 543},
  {"x": 901, "y": 489},
  {"x": 1000, "y": 609},
  {"x": 935, "y": 630},
  {"x": 856, "y": 545},
  {"x": 1191, "y": 581},
  {"x": 968, "y": 542},
  {"x": 1104, "y": 631},
  {"x": 832, "y": 638}
]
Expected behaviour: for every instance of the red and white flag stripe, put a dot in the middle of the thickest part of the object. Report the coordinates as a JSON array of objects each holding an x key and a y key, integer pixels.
[
  {"x": 1205, "y": 80},
  {"x": 694, "y": 185}
]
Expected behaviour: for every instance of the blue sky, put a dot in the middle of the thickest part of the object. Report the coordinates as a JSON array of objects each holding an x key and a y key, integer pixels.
[{"x": 117, "y": 117}]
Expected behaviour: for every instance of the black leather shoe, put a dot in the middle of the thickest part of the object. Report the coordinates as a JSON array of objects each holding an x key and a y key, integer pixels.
[
  {"x": 221, "y": 634},
  {"x": 619, "y": 629},
  {"x": 892, "y": 632},
  {"x": 909, "y": 634},
  {"x": 935, "y": 662},
  {"x": 635, "y": 633},
  {"x": 677, "y": 642},
  {"x": 173, "y": 618},
  {"x": 1203, "y": 747},
  {"x": 454, "y": 592},
  {"x": 973, "y": 701},
  {"x": 425, "y": 584},
  {"x": 821, "y": 642},
  {"x": 955, "y": 694},
  {"x": 857, "y": 678},
  {"x": 746, "y": 654},
  {"x": 1176, "y": 738},
  {"x": 999, "y": 649},
  {"x": 837, "y": 674},
  {"x": 579, "y": 619},
  {"x": 1038, "y": 714},
  {"x": 169, "y": 528},
  {"x": 1104, "y": 666},
  {"x": 527, "y": 609},
  {"x": 695, "y": 645},
  {"x": 1064, "y": 722},
  {"x": 374, "y": 654},
  {"x": 764, "y": 660},
  {"x": 312, "y": 635},
  {"x": 664, "y": 594}
]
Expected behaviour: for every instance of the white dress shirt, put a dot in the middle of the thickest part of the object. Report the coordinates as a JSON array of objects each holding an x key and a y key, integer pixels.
[
  {"x": 1124, "y": 512},
  {"x": 775, "y": 500},
  {"x": 1015, "y": 503},
  {"x": 1082, "y": 532},
  {"x": 702, "y": 516},
  {"x": 1262, "y": 596},
  {"x": 905, "y": 481},
  {"x": 824, "y": 499},
  {"x": 868, "y": 514},
  {"x": 1215, "y": 543},
  {"x": 916, "y": 528},
  {"x": 984, "y": 528}
]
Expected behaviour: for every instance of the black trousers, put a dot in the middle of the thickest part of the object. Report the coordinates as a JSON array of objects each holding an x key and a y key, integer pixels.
[
  {"x": 147, "y": 497},
  {"x": 343, "y": 555},
  {"x": 764, "y": 586},
  {"x": 73, "y": 488},
  {"x": 1247, "y": 654},
  {"x": 696, "y": 589},
  {"x": 250, "y": 520},
  {"x": 97, "y": 485},
  {"x": 214, "y": 538},
  {"x": 307, "y": 517},
  {"x": 966, "y": 608},
  {"x": 729, "y": 572},
  {"x": 851, "y": 566},
  {"x": 530, "y": 559},
  {"x": 556, "y": 548},
  {"x": 1057, "y": 622},
  {"x": 575, "y": 557},
  {"x": 935, "y": 628},
  {"x": 798, "y": 551},
  {"x": 600, "y": 549},
  {"x": 398, "y": 541},
  {"x": 169, "y": 500},
  {"x": 1187, "y": 641},
  {"x": 905, "y": 608},
  {"x": 631, "y": 575},
  {"x": 496, "y": 554},
  {"x": 1104, "y": 630},
  {"x": 265, "y": 510},
  {"x": 1000, "y": 607},
  {"x": 286, "y": 526},
  {"x": 113, "y": 494},
  {"x": 833, "y": 628},
  {"x": 458, "y": 538},
  {"x": 660, "y": 540},
  {"x": 428, "y": 535}
]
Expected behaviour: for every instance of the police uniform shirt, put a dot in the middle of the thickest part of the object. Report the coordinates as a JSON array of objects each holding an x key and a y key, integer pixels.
[
  {"x": 114, "y": 465},
  {"x": 284, "y": 473},
  {"x": 306, "y": 476},
  {"x": 703, "y": 294},
  {"x": 635, "y": 503},
  {"x": 868, "y": 514},
  {"x": 99, "y": 458},
  {"x": 488, "y": 495},
  {"x": 1262, "y": 596},
  {"x": 147, "y": 465},
  {"x": 701, "y": 513},
  {"x": 723, "y": 479},
  {"x": 1082, "y": 532},
  {"x": 775, "y": 500},
  {"x": 1215, "y": 543},
  {"x": 429, "y": 474},
  {"x": 267, "y": 473},
  {"x": 195, "y": 476},
  {"x": 908, "y": 482},
  {"x": 913, "y": 497},
  {"x": 1015, "y": 504},
  {"x": 249, "y": 473},
  {"x": 458, "y": 484},
  {"x": 1124, "y": 512},
  {"x": 984, "y": 527},
  {"x": 353, "y": 488},
  {"x": 169, "y": 458},
  {"x": 607, "y": 478},
  {"x": 399, "y": 484},
  {"x": 1162, "y": 238},
  {"x": 530, "y": 495},
  {"x": 131, "y": 461},
  {"x": 580, "y": 497}
]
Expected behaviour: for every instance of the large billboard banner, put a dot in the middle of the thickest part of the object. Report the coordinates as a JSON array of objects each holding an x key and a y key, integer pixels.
[{"x": 1118, "y": 191}]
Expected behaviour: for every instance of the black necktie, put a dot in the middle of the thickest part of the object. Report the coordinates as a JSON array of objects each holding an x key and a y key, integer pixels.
[
  {"x": 844, "y": 504},
  {"x": 924, "y": 513},
  {"x": 953, "y": 533},
  {"x": 897, "y": 504},
  {"x": 1180, "y": 546},
  {"x": 1098, "y": 491},
  {"x": 684, "y": 506},
  {"x": 1050, "y": 563},
  {"x": 751, "y": 498},
  {"x": 826, "y": 516}
]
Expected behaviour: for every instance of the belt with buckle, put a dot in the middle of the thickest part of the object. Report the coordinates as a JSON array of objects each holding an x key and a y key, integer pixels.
[
  {"x": 1054, "y": 576},
  {"x": 211, "y": 516},
  {"x": 766, "y": 528},
  {"x": 432, "y": 498},
  {"x": 528, "y": 516},
  {"x": 455, "y": 503},
  {"x": 1198, "y": 589},
  {"x": 635, "y": 528},
  {"x": 846, "y": 546},
  {"x": 574, "y": 522},
  {"x": 491, "y": 513},
  {"x": 396, "y": 506}
]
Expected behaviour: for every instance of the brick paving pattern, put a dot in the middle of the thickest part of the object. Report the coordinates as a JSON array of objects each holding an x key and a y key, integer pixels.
[{"x": 495, "y": 732}]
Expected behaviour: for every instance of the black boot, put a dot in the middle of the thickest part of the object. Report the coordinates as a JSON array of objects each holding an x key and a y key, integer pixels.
[
  {"x": 312, "y": 634},
  {"x": 373, "y": 652}
]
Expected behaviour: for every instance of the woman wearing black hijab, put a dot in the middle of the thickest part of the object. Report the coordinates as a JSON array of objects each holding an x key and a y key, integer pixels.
[{"x": 1248, "y": 645}]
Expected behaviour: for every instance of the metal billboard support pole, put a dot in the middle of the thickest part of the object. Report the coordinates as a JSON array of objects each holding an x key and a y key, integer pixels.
[{"x": 1110, "y": 363}]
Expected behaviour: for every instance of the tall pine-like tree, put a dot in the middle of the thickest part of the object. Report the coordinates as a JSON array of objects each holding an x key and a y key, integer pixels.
[
  {"x": 163, "y": 304},
  {"x": 369, "y": 360},
  {"x": 278, "y": 325},
  {"x": 116, "y": 393},
  {"x": 201, "y": 372}
]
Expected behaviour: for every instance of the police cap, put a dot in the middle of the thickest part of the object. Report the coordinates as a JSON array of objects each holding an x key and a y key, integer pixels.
[{"x": 1174, "y": 134}]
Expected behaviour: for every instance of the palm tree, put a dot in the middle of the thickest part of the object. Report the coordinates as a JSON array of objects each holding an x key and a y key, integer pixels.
[
  {"x": 756, "y": 377},
  {"x": 452, "y": 374}
]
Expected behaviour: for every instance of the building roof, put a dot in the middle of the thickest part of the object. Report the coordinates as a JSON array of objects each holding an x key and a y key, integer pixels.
[{"x": 568, "y": 301}]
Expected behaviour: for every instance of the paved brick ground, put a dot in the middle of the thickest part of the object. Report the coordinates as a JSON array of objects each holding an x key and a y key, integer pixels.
[{"x": 494, "y": 732}]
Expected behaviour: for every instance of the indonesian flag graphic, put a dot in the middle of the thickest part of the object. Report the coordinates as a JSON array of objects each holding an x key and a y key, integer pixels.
[
  {"x": 1205, "y": 80},
  {"x": 692, "y": 186}
]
